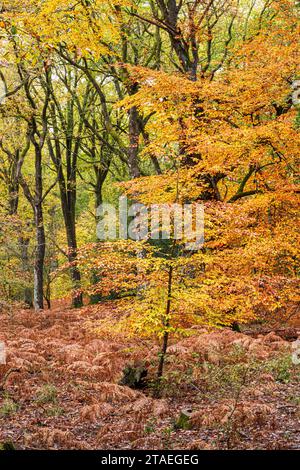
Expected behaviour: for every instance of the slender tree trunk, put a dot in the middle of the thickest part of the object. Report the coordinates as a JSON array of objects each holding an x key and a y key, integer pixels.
[
  {"x": 66, "y": 175},
  {"x": 100, "y": 178},
  {"x": 165, "y": 341},
  {"x": 13, "y": 204},
  {"x": 69, "y": 217},
  {"x": 28, "y": 293},
  {"x": 68, "y": 204},
  {"x": 68, "y": 201},
  {"x": 13, "y": 190},
  {"x": 47, "y": 293},
  {"x": 134, "y": 132},
  {"x": 39, "y": 259},
  {"x": 36, "y": 135},
  {"x": 40, "y": 233}
]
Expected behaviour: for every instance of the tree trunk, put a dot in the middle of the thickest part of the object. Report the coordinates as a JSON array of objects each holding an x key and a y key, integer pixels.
[
  {"x": 134, "y": 132},
  {"x": 28, "y": 293},
  {"x": 69, "y": 218},
  {"x": 39, "y": 259},
  {"x": 164, "y": 348},
  {"x": 100, "y": 178},
  {"x": 40, "y": 248}
]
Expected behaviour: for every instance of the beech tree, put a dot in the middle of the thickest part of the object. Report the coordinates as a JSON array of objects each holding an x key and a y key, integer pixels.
[{"x": 184, "y": 103}]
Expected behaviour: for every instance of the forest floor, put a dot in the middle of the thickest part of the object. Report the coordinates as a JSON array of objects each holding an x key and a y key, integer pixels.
[{"x": 222, "y": 389}]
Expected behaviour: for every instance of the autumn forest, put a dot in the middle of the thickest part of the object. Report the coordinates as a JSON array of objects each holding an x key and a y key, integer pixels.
[{"x": 149, "y": 225}]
